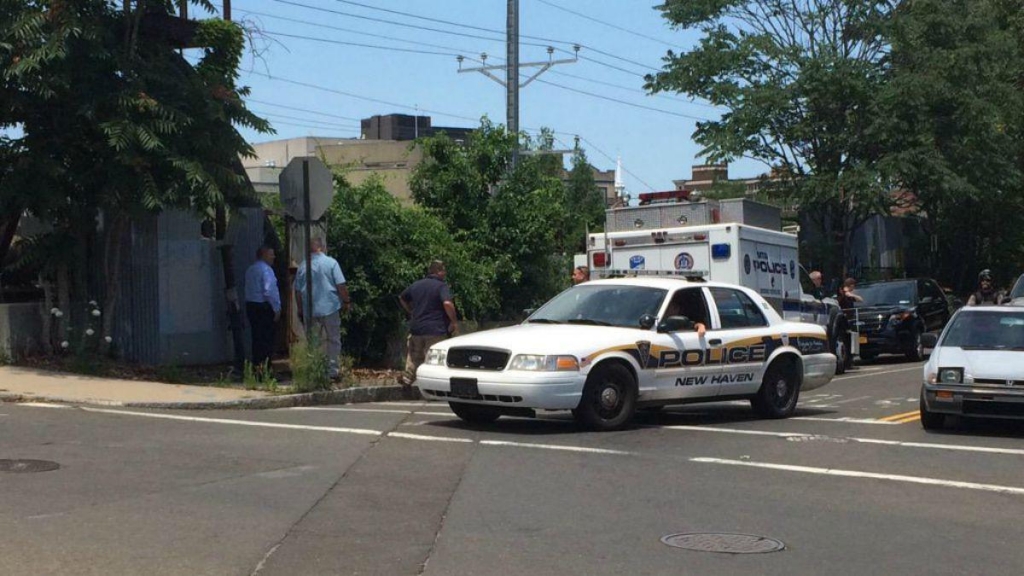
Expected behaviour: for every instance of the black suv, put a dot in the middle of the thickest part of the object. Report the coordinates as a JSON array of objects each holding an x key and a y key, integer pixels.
[{"x": 894, "y": 314}]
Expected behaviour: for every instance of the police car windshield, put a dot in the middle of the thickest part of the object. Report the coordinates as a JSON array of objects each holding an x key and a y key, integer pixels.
[
  {"x": 975, "y": 330},
  {"x": 601, "y": 305},
  {"x": 887, "y": 294}
]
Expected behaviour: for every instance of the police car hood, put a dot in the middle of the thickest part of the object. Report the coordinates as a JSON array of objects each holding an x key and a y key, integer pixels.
[
  {"x": 992, "y": 364},
  {"x": 550, "y": 338}
]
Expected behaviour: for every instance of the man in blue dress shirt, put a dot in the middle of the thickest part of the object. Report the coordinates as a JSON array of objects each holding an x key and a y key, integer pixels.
[
  {"x": 262, "y": 306},
  {"x": 330, "y": 298}
]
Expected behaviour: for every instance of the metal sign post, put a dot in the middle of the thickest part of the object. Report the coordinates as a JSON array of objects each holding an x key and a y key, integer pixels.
[
  {"x": 307, "y": 188},
  {"x": 307, "y": 224}
]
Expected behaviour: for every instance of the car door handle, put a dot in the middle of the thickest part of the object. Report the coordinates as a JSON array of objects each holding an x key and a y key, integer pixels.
[{"x": 715, "y": 342}]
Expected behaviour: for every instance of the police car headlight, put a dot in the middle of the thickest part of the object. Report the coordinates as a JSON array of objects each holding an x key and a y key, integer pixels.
[
  {"x": 436, "y": 357},
  {"x": 541, "y": 363},
  {"x": 951, "y": 375}
]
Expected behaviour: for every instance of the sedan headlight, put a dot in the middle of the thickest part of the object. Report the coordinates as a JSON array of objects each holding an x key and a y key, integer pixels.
[
  {"x": 951, "y": 376},
  {"x": 436, "y": 357},
  {"x": 542, "y": 363}
]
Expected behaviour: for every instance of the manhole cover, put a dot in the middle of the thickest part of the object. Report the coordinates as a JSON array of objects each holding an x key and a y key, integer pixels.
[
  {"x": 724, "y": 543},
  {"x": 25, "y": 466}
]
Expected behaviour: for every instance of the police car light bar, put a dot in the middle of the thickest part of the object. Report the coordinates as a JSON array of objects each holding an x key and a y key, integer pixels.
[{"x": 691, "y": 275}]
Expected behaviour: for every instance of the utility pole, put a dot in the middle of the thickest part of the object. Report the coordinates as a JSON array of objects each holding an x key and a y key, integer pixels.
[
  {"x": 512, "y": 65},
  {"x": 512, "y": 75}
]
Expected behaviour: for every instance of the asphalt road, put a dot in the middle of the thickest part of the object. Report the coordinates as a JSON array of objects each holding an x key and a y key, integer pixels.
[{"x": 852, "y": 485}]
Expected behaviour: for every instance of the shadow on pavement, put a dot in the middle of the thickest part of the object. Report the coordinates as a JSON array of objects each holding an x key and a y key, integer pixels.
[{"x": 981, "y": 428}]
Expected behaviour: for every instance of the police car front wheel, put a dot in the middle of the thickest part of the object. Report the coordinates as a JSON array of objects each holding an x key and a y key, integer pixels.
[
  {"x": 779, "y": 391},
  {"x": 609, "y": 398}
]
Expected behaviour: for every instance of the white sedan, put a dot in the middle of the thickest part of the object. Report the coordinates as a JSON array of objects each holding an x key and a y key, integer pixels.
[
  {"x": 603, "y": 349},
  {"x": 976, "y": 367}
]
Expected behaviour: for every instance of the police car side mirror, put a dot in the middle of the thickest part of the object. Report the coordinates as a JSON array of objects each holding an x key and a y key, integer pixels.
[
  {"x": 929, "y": 340},
  {"x": 927, "y": 300},
  {"x": 647, "y": 321},
  {"x": 675, "y": 324}
]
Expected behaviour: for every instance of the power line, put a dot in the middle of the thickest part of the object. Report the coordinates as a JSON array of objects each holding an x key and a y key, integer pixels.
[
  {"x": 314, "y": 112},
  {"x": 614, "y": 85},
  {"x": 609, "y": 24},
  {"x": 493, "y": 31},
  {"x": 360, "y": 45},
  {"x": 351, "y": 31},
  {"x": 614, "y": 161},
  {"x": 359, "y": 97},
  {"x": 309, "y": 120},
  {"x": 310, "y": 126},
  {"x": 623, "y": 102}
]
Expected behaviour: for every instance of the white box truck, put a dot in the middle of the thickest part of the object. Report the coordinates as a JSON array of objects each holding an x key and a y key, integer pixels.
[{"x": 758, "y": 258}]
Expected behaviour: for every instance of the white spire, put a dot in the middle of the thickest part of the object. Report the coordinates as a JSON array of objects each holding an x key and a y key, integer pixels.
[{"x": 620, "y": 186}]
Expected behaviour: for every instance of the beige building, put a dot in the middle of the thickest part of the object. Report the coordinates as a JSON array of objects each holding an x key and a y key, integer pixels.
[{"x": 393, "y": 161}]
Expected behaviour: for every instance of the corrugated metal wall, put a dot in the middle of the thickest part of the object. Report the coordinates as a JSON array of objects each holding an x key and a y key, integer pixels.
[{"x": 138, "y": 325}]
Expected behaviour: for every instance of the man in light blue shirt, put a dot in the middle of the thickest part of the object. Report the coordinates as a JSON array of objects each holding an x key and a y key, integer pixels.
[
  {"x": 330, "y": 297},
  {"x": 262, "y": 306}
]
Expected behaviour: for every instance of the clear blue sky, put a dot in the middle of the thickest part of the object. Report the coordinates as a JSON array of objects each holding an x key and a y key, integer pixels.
[{"x": 656, "y": 147}]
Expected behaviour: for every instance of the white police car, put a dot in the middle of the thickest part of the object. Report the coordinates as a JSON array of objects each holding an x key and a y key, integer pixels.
[
  {"x": 605, "y": 348},
  {"x": 976, "y": 367}
]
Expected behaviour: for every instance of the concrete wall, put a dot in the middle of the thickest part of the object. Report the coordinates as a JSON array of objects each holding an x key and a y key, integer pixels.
[{"x": 21, "y": 327}]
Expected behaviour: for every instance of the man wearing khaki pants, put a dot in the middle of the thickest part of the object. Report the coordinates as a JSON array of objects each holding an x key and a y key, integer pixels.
[{"x": 432, "y": 317}]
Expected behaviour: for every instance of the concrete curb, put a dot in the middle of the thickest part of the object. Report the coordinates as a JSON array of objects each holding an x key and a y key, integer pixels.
[{"x": 347, "y": 396}]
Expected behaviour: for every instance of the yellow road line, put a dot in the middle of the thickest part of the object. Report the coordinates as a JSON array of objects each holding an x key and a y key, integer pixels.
[
  {"x": 909, "y": 419},
  {"x": 896, "y": 417}
]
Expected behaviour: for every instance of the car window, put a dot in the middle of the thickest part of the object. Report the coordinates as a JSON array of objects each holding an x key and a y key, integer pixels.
[
  {"x": 933, "y": 290},
  {"x": 689, "y": 302},
  {"x": 736, "y": 309},
  {"x": 601, "y": 304},
  {"x": 1018, "y": 288}
]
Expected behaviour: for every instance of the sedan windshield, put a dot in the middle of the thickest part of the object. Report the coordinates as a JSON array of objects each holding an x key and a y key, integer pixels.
[
  {"x": 886, "y": 294},
  {"x": 1018, "y": 288},
  {"x": 601, "y": 305},
  {"x": 986, "y": 331}
]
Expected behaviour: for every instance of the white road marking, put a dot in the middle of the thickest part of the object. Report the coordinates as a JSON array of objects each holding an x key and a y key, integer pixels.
[
  {"x": 854, "y": 399},
  {"x": 914, "y": 368},
  {"x": 877, "y": 441},
  {"x": 333, "y": 409},
  {"x": 872, "y": 475},
  {"x": 362, "y": 431},
  {"x": 736, "y": 431},
  {"x": 428, "y": 438},
  {"x": 843, "y": 419},
  {"x": 553, "y": 447},
  {"x": 368, "y": 410},
  {"x": 42, "y": 405}
]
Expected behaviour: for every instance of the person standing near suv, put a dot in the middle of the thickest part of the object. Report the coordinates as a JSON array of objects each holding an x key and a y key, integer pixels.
[{"x": 428, "y": 302}]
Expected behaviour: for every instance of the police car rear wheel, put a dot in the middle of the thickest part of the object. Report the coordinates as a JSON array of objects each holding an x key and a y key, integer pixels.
[
  {"x": 779, "y": 391},
  {"x": 475, "y": 413},
  {"x": 609, "y": 398}
]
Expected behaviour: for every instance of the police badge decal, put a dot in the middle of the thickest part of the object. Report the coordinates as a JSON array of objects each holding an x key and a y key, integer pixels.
[{"x": 644, "y": 348}]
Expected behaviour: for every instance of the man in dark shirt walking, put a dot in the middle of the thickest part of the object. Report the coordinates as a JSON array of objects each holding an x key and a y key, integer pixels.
[{"x": 432, "y": 317}]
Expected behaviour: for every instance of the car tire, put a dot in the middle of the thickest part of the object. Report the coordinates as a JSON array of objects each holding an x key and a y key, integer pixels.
[
  {"x": 475, "y": 413},
  {"x": 931, "y": 421},
  {"x": 779, "y": 391},
  {"x": 609, "y": 398},
  {"x": 916, "y": 351}
]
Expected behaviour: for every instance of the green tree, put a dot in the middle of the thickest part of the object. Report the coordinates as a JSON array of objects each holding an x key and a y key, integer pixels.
[
  {"x": 517, "y": 222},
  {"x": 953, "y": 129},
  {"x": 383, "y": 247},
  {"x": 115, "y": 123},
  {"x": 797, "y": 80},
  {"x": 584, "y": 203}
]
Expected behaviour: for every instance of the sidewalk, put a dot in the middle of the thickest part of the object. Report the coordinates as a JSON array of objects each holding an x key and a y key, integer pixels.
[{"x": 19, "y": 384}]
